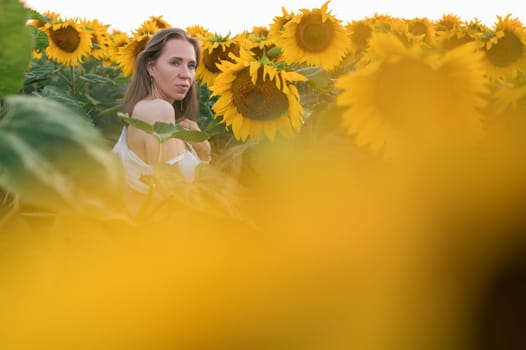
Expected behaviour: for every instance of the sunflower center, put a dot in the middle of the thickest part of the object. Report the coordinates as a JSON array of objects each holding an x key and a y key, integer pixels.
[
  {"x": 313, "y": 35},
  {"x": 217, "y": 55},
  {"x": 360, "y": 36},
  {"x": 418, "y": 28},
  {"x": 66, "y": 38},
  {"x": 262, "y": 101},
  {"x": 508, "y": 49}
]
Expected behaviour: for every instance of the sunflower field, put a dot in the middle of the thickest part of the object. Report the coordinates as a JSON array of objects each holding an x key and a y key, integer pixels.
[{"x": 366, "y": 190}]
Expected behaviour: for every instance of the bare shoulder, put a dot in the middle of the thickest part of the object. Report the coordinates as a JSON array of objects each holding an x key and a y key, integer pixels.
[{"x": 156, "y": 110}]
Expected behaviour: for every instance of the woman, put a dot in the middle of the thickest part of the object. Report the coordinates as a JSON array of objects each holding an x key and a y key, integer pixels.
[{"x": 162, "y": 88}]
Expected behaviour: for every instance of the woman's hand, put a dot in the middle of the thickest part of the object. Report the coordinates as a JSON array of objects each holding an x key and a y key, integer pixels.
[
  {"x": 203, "y": 149},
  {"x": 189, "y": 124}
]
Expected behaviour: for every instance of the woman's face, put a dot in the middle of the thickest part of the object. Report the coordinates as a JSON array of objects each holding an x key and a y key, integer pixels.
[{"x": 174, "y": 71}]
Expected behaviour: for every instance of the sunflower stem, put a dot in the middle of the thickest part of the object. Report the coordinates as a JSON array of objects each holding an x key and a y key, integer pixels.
[
  {"x": 159, "y": 157},
  {"x": 72, "y": 75}
]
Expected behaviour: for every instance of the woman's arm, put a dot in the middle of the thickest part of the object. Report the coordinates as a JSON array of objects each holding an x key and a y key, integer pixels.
[{"x": 151, "y": 151}]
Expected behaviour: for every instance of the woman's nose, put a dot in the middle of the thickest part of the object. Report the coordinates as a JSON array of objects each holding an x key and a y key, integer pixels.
[{"x": 185, "y": 72}]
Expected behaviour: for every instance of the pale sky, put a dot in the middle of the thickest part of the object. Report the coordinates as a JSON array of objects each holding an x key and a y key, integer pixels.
[{"x": 235, "y": 16}]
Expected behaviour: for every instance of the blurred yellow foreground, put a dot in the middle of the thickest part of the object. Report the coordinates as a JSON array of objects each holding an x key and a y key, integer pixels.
[{"x": 331, "y": 252}]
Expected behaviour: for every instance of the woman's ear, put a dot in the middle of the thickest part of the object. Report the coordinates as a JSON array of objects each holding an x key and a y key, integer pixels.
[{"x": 149, "y": 68}]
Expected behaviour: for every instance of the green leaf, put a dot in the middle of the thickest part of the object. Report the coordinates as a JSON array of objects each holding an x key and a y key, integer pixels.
[
  {"x": 40, "y": 73},
  {"x": 166, "y": 131},
  {"x": 34, "y": 14},
  {"x": 213, "y": 123},
  {"x": 139, "y": 124},
  {"x": 96, "y": 79},
  {"x": 60, "y": 95},
  {"x": 41, "y": 40},
  {"x": 216, "y": 126},
  {"x": 54, "y": 158},
  {"x": 108, "y": 112},
  {"x": 16, "y": 43},
  {"x": 274, "y": 52},
  {"x": 318, "y": 77},
  {"x": 488, "y": 35}
]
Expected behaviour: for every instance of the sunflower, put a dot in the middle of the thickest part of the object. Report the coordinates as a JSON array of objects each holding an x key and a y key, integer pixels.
[
  {"x": 476, "y": 28},
  {"x": 505, "y": 48},
  {"x": 52, "y": 15},
  {"x": 266, "y": 48},
  {"x": 159, "y": 22},
  {"x": 36, "y": 55},
  {"x": 381, "y": 22},
  {"x": 276, "y": 27},
  {"x": 259, "y": 43},
  {"x": 421, "y": 28},
  {"x": 69, "y": 43},
  {"x": 127, "y": 53},
  {"x": 398, "y": 28},
  {"x": 257, "y": 98},
  {"x": 406, "y": 98},
  {"x": 448, "y": 22},
  {"x": 452, "y": 32},
  {"x": 215, "y": 49},
  {"x": 198, "y": 31},
  {"x": 117, "y": 40},
  {"x": 315, "y": 38},
  {"x": 507, "y": 97},
  {"x": 146, "y": 29},
  {"x": 260, "y": 31},
  {"x": 508, "y": 123},
  {"x": 359, "y": 32},
  {"x": 100, "y": 40}
]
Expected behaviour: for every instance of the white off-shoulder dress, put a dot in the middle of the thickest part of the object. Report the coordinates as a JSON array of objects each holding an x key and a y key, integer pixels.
[{"x": 135, "y": 167}]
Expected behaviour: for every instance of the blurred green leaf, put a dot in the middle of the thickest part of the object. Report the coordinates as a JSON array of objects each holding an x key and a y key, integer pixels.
[
  {"x": 41, "y": 40},
  {"x": 53, "y": 157},
  {"x": 318, "y": 77},
  {"x": 34, "y": 14},
  {"x": 16, "y": 43},
  {"x": 60, "y": 95},
  {"x": 274, "y": 52}
]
